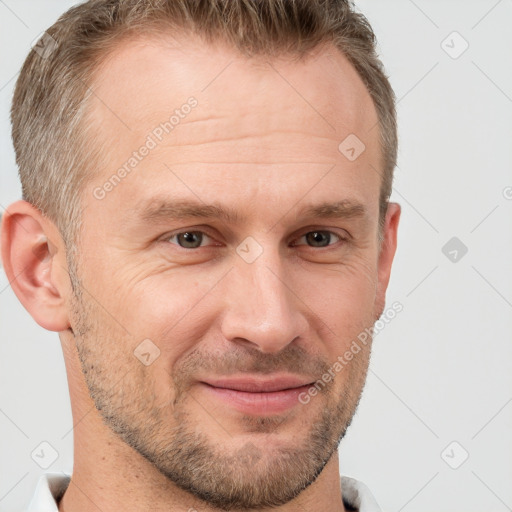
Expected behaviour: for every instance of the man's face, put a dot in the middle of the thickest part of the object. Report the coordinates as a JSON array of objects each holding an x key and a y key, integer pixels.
[{"x": 272, "y": 292}]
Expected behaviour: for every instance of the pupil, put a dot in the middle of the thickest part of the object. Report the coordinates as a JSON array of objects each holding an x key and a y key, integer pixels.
[
  {"x": 316, "y": 238},
  {"x": 189, "y": 239}
]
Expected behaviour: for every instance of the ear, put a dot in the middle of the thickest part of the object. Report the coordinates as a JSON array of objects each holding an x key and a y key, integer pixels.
[
  {"x": 33, "y": 255},
  {"x": 386, "y": 255}
]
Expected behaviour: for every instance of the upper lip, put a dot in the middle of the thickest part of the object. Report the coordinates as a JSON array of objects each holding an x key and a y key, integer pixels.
[{"x": 254, "y": 384}]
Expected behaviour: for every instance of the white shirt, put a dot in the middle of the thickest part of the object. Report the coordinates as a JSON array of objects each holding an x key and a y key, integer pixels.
[{"x": 52, "y": 486}]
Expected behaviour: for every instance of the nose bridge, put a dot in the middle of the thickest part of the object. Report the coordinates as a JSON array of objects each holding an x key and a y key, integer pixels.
[{"x": 260, "y": 306}]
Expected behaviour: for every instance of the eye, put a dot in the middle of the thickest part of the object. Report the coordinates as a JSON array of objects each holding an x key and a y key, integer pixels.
[
  {"x": 196, "y": 239},
  {"x": 188, "y": 239},
  {"x": 320, "y": 238}
]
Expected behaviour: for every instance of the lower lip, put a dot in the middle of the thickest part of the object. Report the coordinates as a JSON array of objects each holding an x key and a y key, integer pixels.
[{"x": 272, "y": 402}]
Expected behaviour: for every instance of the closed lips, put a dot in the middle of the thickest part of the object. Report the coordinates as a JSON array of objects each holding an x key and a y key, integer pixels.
[{"x": 259, "y": 386}]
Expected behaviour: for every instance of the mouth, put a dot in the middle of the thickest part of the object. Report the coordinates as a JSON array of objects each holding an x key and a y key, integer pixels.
[{"x": 258, "y": 396}]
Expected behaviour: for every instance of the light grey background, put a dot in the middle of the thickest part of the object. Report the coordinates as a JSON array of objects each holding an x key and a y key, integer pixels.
[{"x": 441, "y": 371}]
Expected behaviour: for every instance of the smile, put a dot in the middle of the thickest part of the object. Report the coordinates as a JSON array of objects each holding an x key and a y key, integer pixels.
[{"x": 256, "y": 396}]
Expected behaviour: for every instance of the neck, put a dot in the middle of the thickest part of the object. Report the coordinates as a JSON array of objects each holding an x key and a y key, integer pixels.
[{"x": 106, "y": 479}]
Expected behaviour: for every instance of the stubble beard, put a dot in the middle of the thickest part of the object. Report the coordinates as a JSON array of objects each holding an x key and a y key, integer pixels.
[{"x": 248, "y": 477}]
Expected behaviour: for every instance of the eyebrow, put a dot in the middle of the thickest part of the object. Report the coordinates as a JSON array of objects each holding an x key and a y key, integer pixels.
[{"x": 165, "y": 209}]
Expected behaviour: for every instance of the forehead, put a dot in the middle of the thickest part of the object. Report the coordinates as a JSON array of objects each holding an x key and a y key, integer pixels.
[
  {"x": 257, "y": 120},
  {"x": 144, "y": 78}
]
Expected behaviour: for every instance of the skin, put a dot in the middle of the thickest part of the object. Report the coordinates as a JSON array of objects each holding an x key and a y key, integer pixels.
[{"x": 263, "y": 141}]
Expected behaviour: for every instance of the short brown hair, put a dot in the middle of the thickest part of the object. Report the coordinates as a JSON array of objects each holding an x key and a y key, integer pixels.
[{"x": 53, "y": 148}]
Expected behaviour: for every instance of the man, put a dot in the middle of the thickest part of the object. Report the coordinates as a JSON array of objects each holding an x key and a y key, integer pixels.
[{"x": 205, "y": 222}]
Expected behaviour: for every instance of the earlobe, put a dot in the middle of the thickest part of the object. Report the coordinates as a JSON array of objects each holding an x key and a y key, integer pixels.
[
  {"x": 34, "y": 261},
  {"x": 386, "y": 255}
]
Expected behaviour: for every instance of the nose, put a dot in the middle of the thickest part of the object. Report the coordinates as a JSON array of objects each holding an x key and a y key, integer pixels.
[{"x": 261, "y": 307}]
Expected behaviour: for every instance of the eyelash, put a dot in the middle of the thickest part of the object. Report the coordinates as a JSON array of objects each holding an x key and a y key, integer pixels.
[{"x": 173, "y": 235}]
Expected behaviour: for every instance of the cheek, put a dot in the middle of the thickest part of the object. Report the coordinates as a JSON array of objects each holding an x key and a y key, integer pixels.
[
  {"x": 174, "y": 309},
  {"x": 342, "y": 296},
  {"x": 177, "y": 307}
]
